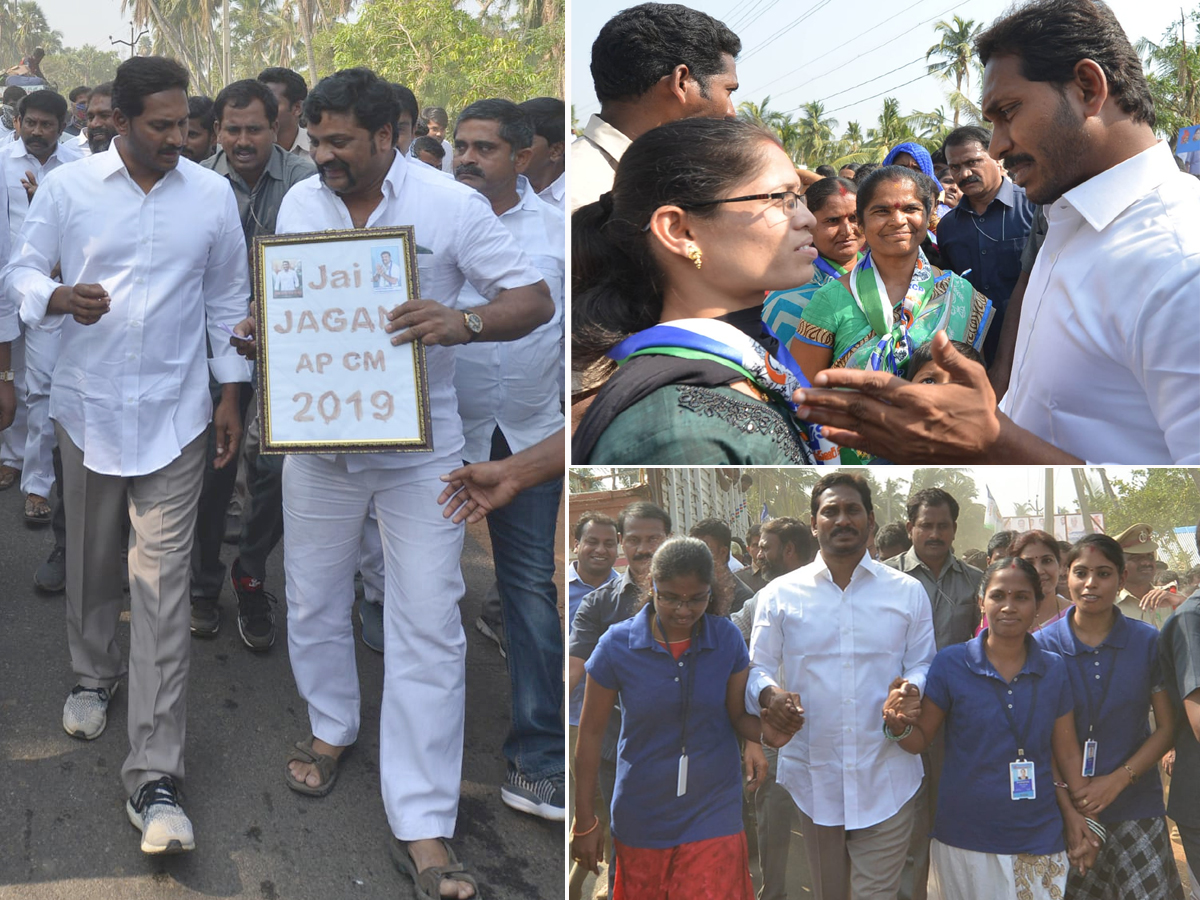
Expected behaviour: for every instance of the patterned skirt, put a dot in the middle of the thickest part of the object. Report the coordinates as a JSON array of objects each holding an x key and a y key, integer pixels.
[
  {"x": 957, "y": 874},
  {"x": 1135, "y": 863},
  {"x": 716, "y": 869}
]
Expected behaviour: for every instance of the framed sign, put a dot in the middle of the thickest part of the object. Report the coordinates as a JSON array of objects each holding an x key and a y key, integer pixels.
[{"x": 329, "y": 379}]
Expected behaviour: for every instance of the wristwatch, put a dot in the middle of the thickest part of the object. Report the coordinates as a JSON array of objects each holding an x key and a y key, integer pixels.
[
  {"x": 474, "y": 325},
  {"x": 7, "y": 375}
]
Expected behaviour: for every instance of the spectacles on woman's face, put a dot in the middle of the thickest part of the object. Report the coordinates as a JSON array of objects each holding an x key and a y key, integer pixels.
[
  {"x": 789, "y": 200},
  {"x": 692, "y": 603}
]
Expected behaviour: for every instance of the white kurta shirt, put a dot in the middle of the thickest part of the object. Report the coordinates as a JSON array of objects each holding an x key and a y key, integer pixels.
[
  {"x": 459, "y": 239},
  {"x": 839, "y": 650},
  {"x": 1107, "y": 361},
  {"x": 594, "y": 158},
  {"x": 15, "y": 161},
  {"x": 555, "y": 193},
  {"x": 517, "y": 384},
  {"x": 132, "y": 389}
]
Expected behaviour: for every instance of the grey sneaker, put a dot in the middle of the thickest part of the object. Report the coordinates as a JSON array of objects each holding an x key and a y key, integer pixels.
[
  {"x": 494, "y": 633},
  {"x": 370, "y": 616},
  {"x": 86, "y": 712},
  {"x": 545, "y": 798},
  {"x": 51, "y": 576},
  {"x": 154, "y": 811},
  {"x": 206, "y": 617}
]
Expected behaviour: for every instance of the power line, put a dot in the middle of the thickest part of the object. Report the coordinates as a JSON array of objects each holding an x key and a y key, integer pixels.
[
  {"x": 868, "y": 81},
  {"x": 821, "y": 5},
  {"x": 881, "y": 93},
  {"x": 744, "y": 19}
]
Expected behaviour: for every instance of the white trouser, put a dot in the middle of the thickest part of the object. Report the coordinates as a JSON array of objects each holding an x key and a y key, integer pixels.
[
  {"x": 41, "y": 353},
  {"x": 12, "y": 439},
  {"x": 424, "y": 686},
  {"x": 370, "y": 561}
]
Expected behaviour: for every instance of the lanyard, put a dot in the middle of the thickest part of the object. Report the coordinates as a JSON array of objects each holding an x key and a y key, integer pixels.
[
  {"x": 1093, "y": 712},
  {"x": 1019, "y": 736},
  {"x": 687, "y": 682}
]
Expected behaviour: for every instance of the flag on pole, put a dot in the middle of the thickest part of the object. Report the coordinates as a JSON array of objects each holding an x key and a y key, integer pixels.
[
  {"x": 991, "y": 518},
  {"x": 765, "y": 515}
]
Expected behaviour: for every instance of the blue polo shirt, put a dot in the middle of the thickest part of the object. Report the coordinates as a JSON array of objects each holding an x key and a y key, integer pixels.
[
  {"x": 990, "y": 246},
  {"x": 651, "y": 683},
  {"x": 577, "y": 589},
  {"x": 1128, "y": 662},
  {"x": 975, "y": 810}
]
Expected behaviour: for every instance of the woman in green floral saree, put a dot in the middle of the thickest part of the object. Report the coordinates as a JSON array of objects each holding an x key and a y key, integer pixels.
[{"x": 893, "y": 300}]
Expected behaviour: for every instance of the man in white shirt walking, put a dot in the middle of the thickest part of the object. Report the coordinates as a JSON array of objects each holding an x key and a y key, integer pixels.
[
  {"x": 364, "y": 182},
  {"x": 547, "y": 169},
  {"x": 508, "y": 398},
  {"x": 845, "y": 630},
  {"x": 131, "y": 403}
]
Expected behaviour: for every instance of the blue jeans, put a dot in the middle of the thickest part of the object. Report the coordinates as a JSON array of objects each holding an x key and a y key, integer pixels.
[{"x": 523, "y": 552}]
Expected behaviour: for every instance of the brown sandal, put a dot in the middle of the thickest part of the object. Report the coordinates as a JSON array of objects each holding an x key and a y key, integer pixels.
[
  {"x": 428, "y": 882},
  {"x": 37, "y": 509},
  {"x": 327, "y": 768}
]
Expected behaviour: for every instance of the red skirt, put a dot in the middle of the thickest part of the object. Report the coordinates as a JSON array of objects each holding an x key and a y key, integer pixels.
[{"x": 716, "y": 869}]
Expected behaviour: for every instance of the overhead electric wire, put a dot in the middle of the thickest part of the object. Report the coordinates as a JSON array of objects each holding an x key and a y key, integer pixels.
[
  {"x": 881, "y": 93},
  {"x": 821, "y": 5}
]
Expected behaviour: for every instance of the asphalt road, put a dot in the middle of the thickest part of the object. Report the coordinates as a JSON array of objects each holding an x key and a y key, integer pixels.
[{"x": 63, "y": 828}]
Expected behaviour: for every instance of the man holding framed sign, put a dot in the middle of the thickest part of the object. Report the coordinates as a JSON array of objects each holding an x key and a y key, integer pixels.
[{"x": 365, "y": 183}]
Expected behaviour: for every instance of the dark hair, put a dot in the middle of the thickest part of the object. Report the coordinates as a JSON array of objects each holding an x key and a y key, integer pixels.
[
  {"x": 548, "y": 115},
  {"x": 675, "y": 557},
  {"x": 840, "y": 479},
  {"x": 976, "y": 558},
  {"x": 104, "y": 89},
  {"x": 429, "y": 145},
  {"x": 13, "y": 93},
  {"x": 893, "y": 535},
  {"x": 436, "y": 115},
  {"x": 791, "y": 531},
  {"x": 643, "y": 509},
  {"x": 45, "y": 101},
  {"x": 818, "y": 193},
  {"x": 516, "y": 129},
  {"x": 202, "y": 108},
  {"x": 853, "y": 167},
  {"x": 1036, "y": 536},
  {"x": 617, "y": 285},
  {"x": 242, "y": 93},
  {"x": 755, "y": 528},
  {"x": 1050, "y": 37},
  {"x": 966, "y": 134},
  {"x": 295, "y": 88},
  {"x": 421, "y": 128},
  {"x": 1001, "y": 540},
  {"x": 826, "y": 171},
  {"x": 712, "y": 528},
  {"x": 1021, "y": 565},
  {"x": 924, "y": 355},
  {"x": 408, "y": 104},
  {"x": 931, "y": 497},
  {"x": 641, "y": 45},
  {"x": 359, "y": 91},
  {"x": 592, "y": 518},
  {"x": 1108, "y": 546},
  {"x": 77, "y": 92},
  {"x": 923, "y": 187},
  {"x": 141, "y": 76},
  {"x": 863, "y": 171}
]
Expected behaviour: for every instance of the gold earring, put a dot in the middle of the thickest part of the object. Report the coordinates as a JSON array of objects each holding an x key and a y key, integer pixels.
[{"x": 695, "y": 255}]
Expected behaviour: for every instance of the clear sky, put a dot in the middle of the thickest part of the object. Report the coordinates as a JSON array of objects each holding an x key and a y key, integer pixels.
[
  {"x": 841, "y": 53},
  {"x": 88, "y": 22}
]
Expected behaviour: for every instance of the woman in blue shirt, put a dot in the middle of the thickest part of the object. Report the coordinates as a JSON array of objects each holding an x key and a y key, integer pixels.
[
  {"x": 1006, "y": 705},
  {"x": 680, "y": 675},
  {"x": 1116, "y": 679}
]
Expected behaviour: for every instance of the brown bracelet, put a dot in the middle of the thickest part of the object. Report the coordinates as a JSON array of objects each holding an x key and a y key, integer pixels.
[{"x": 575, "y": 833}]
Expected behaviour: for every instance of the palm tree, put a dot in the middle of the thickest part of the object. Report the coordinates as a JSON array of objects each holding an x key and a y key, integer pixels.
[
  {"x": 760, "y": 113},
  {"x": 853, "y": 137},
  {"x": 1173, "y": 73},
  {"x": 891, "y": 129},
  {"x": 957, "y": 49},
  {"x": 816, "y": 132},
  {"x": 933, "y": 126}
]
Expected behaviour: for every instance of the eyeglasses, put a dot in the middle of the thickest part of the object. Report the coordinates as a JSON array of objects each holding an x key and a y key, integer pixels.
[
  {"x": 791, "y": 201},
  {"x": 693, "y": 604}
]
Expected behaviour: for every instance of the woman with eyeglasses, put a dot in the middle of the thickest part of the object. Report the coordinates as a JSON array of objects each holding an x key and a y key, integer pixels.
[
  {"x": 839, "y": 243},
  {"x": 680, "y": 674},
  {"x": 669, "y": 273},
  {"x": 893, "y": 300}
]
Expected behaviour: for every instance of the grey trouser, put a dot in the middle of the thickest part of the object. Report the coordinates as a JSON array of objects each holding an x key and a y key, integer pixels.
[
  {"x": 864, "y": 863},
  {"x": 773, "y": 814},
  {"x": 162, "y": 513}
]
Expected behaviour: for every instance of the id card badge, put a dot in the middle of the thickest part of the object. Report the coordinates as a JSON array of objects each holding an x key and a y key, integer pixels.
[
  {"x": 681, "y": 783},
  {"x": 1089, "y": 758},
  {"x": 1021, "y": 780}
]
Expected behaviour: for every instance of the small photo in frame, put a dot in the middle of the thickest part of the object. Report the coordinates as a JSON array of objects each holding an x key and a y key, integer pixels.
[
  {"x": 387, "y": 271},
  {"x": 287, "y": 279}
]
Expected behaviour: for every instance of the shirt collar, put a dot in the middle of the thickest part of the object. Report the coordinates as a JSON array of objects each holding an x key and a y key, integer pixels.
[
  {"x": 392, "y": 182},
  {"x": 274, "y": 167},
  {"x": 607, "y": 138},
  {"x": 820, "y": 567},
  {"x": 1005, "y": 195},
  {"x": 977, "y": 661},
  {"x": 912, "y": 561},
  {"x": 110, "y": 162},
  {"x": 642, "y": 638},
  {"x": 573, "y": 575},
  {"x": 19, "y": 150},
  {"x": 1103, "y": 197},
  {"x": 1118, "y": 635}
]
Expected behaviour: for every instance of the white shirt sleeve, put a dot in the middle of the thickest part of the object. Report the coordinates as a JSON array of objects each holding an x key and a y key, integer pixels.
[
  {"x": 488, "y": 255},
  {"x": 37, "y": 251},
  {"x": 766, "y": 650},
  {"x": 10, "y": 326},
  {"x": 227, "y": 295},
  {"x": 921, "y": 646}
]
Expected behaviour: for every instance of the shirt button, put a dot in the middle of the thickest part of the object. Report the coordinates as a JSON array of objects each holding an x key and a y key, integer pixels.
[
  {"x": 1010, "y": 705},
  {"x": 676, "y": 677},
  {"x": 138, "y": 280},
  {"x": 681, "y": 665},
  {"x": 1097, "y": 663},
  {"x": 1097, "y": 677},
  {"x": 1010, "y": 692},
  {"x": 984, "y": 252}
]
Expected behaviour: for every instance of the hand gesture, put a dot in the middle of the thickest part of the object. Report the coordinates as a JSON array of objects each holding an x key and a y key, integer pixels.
[
  {"x": 30, "y": 183},
  {"x": 1099, "y": 793},
  {"x": 1083, "y": 846},
  {"x": 754, "y": 764},
  {"x": 783, "y": 713},
  {"x": 903, "y": 701},
  {"x": 427, "y": 321},
  {"x": 86, "y": 303},
  {"x": 476, "y": 490}
]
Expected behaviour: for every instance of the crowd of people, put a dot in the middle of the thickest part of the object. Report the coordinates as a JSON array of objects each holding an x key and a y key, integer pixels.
[
  {"x": 930, "y": 727},
  {"x": 129, "y": 247},
  {"x": 729, "y": 307}
]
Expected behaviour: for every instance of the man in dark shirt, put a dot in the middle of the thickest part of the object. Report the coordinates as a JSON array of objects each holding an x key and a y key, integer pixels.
[
  {"x": 986, "y": 232},
  {"x": 730, "y": 593}
]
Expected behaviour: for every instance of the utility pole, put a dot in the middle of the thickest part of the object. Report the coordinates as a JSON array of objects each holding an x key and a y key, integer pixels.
[
  {"x": 225, "y": 62},
  {"x": 1048, "y": 517},
  {"x": 133, "y": 41}
]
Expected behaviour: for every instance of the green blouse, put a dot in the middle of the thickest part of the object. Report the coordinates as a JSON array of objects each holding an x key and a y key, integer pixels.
[{"x": 690, "y": 425}]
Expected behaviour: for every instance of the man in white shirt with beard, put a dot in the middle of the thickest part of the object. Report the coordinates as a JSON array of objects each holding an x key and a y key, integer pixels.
[{"x": 364, "y": 182}]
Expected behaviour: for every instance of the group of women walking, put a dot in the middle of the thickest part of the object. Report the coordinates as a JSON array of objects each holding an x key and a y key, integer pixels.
[{"x": 1050, "y": 786}]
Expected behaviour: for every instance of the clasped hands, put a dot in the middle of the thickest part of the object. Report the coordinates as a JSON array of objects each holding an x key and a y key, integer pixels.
[
  {"x": 902, "y": 707},
  {"x": 781, "y": 717}
]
